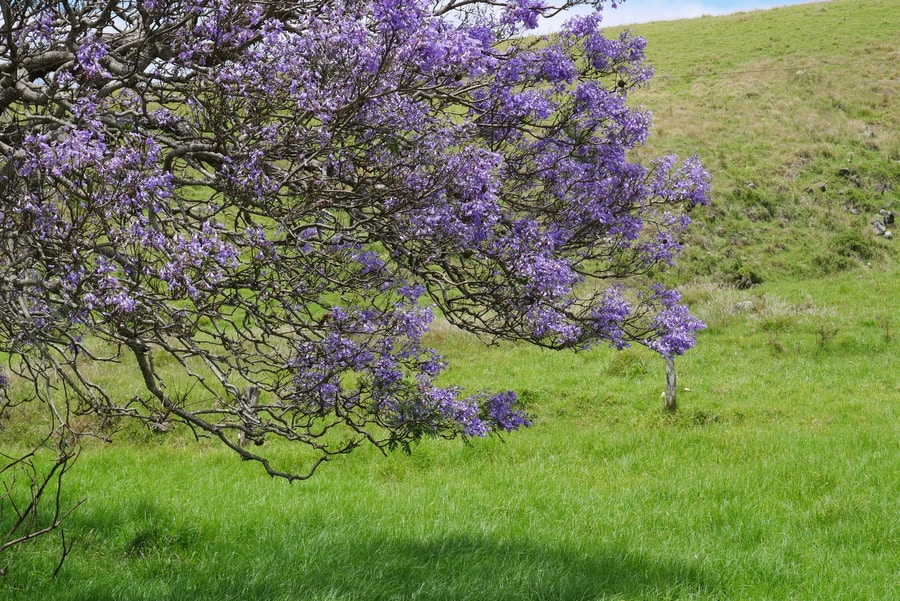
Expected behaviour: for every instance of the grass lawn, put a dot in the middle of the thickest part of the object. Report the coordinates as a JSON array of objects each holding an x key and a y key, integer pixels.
[{"x": 778, "y": 479}]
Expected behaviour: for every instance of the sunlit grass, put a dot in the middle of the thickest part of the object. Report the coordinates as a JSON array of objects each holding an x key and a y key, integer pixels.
[{"x": 777, "y": 479}]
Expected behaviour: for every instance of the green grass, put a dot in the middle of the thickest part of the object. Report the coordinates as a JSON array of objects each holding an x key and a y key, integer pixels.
[{"x": 779, "y": 478}]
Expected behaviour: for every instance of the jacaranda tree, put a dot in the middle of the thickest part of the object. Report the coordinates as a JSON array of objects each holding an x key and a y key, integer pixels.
[{"x": 259, "y": 206}]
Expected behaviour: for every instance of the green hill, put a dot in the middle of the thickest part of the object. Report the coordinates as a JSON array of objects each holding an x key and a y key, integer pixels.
[{"x": 795, "y": 111}]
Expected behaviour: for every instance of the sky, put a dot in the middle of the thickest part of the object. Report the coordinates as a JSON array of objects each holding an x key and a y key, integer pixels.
[{"x": 643, "y": 11}]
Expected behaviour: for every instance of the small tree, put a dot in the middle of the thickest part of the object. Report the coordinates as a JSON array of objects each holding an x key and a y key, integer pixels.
[{"x": 271, "y": 198}]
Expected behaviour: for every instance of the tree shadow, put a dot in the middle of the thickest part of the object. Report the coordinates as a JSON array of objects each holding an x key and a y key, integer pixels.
[
  {"x": 358, "y": 563},
  {"x": 463, "y": 567}
]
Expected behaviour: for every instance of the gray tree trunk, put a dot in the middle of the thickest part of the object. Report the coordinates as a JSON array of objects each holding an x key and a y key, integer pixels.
[{"x": 670, "y": 384}]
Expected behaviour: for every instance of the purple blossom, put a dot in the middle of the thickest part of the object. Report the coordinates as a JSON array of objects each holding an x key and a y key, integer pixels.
[
  {"x": 38, "y": 32},
  {"x": 608, "y": 316},
  {"x": 673, "y": 326},
  {"x": 500, "y": 410},
  {"x": 524, "y": 12},
  {"x": 91, "y": 52},
  {"x": 398, "y": 17}
]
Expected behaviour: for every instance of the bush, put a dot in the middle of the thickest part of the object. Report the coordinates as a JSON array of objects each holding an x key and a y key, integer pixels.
[
  {"x": 743, "y": 276},
  {"x": 629, "y": 363},
  {"x": 827, "y": 263},
  {"x": 852, "y": 244},
  {"x": 844, "y": 251}
]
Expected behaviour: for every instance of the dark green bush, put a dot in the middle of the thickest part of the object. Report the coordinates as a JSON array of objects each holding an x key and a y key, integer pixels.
[
  {"x": 743, "y": 276},
  {"x": 852, "y": 244},
  {"x": 830, "y": 262}
]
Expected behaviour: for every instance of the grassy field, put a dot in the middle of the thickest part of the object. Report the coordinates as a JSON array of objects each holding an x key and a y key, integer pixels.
[{"x": 779, "y": 478}]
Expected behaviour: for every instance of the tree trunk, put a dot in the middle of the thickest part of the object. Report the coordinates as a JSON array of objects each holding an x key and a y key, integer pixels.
[{"x": 670, "y": 384}]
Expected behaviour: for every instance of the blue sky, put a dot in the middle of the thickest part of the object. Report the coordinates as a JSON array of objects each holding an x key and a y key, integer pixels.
[{"x": 642, "y": 11}]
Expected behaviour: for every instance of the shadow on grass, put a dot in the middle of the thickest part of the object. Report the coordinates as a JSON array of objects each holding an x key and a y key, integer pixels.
[
  {"x": 479, "y": 568},
  {"x": 309, "y": 568},
  {"x": 458, "y": 568},
  {"x": 155, "y": 554}
]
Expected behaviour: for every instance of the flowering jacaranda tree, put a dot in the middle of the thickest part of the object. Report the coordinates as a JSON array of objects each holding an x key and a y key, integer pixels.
[{"x": 257, "y": 208}]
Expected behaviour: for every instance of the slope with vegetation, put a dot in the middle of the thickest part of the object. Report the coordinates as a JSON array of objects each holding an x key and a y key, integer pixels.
[{"x": 796, "y": 112}]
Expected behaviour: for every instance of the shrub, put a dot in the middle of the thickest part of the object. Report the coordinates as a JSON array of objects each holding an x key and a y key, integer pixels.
[{"x": 852, "y": 244}]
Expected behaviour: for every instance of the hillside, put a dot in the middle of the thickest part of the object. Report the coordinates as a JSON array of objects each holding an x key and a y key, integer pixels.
[{"x": 795, "y": 111}]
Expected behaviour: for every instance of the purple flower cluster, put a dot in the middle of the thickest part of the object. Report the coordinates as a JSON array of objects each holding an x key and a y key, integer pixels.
[
  {"x": 90, "y": 54},
  {"x": 673, "y": 326}
]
